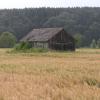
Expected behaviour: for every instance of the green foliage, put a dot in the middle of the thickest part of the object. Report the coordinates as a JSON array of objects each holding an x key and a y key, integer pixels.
[
  {"x": 98, "y": 43},
  {"x": 22, "y": 46},
  {"x": 7, "y": 40},
  {"x": 26, "y": 47},
  {"x": 78, "y": 38},
  {"x": 92, "y": 82},
  {"x": 93, "y": 44},
  {"x": 75, "y": 20}
]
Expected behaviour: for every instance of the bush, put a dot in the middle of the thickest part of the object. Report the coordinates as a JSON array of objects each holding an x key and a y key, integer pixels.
[
  {"x": 92, "y": 82},
  {"x": 26, "y": 47},
  {"x": 22, "y": 46}
]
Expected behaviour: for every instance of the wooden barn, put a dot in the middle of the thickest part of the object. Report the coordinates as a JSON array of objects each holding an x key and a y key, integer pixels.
[{"x": 52, "y": 38}]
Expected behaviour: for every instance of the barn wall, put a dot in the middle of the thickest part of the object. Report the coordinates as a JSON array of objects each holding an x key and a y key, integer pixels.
[
  {"x": 40, "y": 44},
  {"x": 62, "y": 41}
]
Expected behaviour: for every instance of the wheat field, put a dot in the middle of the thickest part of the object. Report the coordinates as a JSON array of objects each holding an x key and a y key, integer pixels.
[{"x": 50, "y": 76}]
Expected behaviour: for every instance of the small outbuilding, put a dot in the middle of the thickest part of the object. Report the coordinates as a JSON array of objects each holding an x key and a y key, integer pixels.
[{"x": 52, "y": 38}]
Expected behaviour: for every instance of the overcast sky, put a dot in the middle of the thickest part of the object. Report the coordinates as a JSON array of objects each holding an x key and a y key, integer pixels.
[{"x": 48, "y": 3}]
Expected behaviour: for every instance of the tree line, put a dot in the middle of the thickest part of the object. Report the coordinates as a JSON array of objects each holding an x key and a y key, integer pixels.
[{"x": 82, "y": 23}]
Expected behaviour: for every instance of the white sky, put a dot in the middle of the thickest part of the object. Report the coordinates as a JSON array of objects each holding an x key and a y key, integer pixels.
[{"x": 48, "y": 3}]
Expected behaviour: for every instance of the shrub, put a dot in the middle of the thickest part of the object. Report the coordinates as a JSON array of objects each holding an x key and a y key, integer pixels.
[
  {"x": 26, "y": 47},
  {"x": 22, "y": 46},
  {"x": 92, "y": 82}
]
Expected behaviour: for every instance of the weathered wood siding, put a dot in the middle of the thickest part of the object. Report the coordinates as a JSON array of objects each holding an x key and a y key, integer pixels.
[
  {"x": 62, "y": 41},
  {"x": 40, "y": 44}
]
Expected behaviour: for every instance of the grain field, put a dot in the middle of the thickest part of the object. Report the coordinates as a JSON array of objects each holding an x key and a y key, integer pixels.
[{"x": 50, "y": 76}]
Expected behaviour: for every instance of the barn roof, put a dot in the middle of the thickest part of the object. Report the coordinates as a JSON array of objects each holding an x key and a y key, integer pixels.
[{"x": 42, "y": 34}]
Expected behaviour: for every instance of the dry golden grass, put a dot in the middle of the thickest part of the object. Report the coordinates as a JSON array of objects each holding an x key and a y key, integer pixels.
[{"x": 50, "y": 76}]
